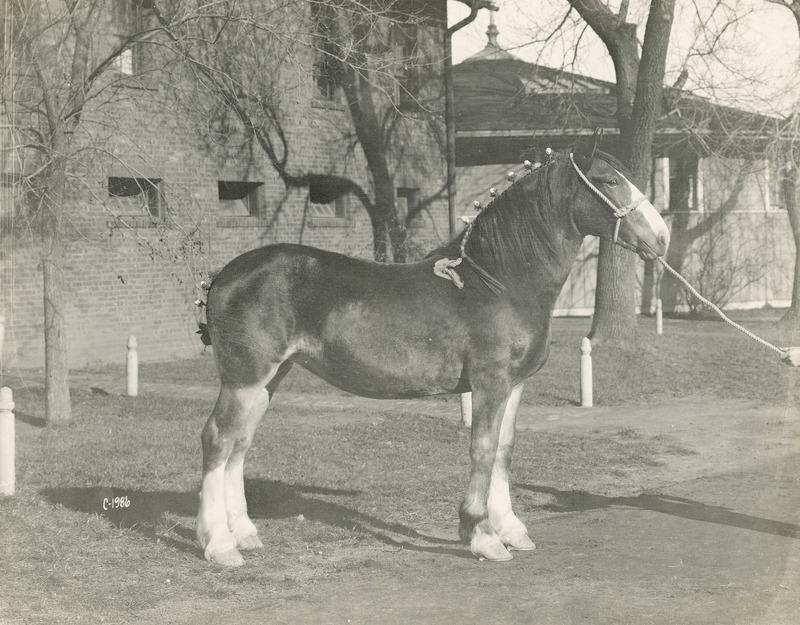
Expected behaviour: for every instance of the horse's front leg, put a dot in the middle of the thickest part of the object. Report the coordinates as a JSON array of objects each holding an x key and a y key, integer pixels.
[
  {"x": 509, "y": 528},
  {"x": 475, "y": 527}
]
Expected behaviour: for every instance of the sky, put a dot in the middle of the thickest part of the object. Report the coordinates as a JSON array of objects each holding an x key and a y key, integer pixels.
[{"x": 758, "y": 50}]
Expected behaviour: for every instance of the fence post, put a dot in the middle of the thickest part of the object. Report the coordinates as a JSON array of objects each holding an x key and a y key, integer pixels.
[
  {"x": 2, "y": 337},
  {"x": 659, "y": 317},
  {"x": 7, "y": 474},
  {"x": 466, "y": 409},
  {"x": 133, "y": 367},
  {"x": 586, "y": 372}
]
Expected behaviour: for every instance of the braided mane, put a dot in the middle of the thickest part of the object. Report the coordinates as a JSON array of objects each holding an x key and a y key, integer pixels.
[{"x": 520, "y": 228}]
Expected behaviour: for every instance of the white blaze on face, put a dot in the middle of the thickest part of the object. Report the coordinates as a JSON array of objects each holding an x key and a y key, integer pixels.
[{"x": 649, "y": 211}]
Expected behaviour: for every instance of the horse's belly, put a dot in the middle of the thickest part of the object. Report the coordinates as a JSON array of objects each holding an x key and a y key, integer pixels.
[{"x": 386, "y": 355}]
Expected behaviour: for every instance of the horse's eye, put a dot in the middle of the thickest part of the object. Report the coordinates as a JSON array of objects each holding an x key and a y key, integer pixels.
[{"x": 612, "y": 182}]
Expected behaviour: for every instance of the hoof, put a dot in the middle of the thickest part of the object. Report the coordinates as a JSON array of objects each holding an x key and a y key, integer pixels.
[
  {"x": 249, "y": 542},
  {"x": 487, "y": 547},
  {"x": 520, "y": 542},
  {"x": 231, "y": 557}
]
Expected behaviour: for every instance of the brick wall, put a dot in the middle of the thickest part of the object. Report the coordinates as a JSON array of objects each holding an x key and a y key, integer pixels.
[{"x": 129, "y": 276}]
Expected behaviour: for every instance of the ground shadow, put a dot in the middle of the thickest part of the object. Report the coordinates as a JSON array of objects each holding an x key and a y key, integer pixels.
[
  {"x": 143, "y": 513},
  {"x": 578, "y": 501},
  {"x": 270, "y": 499},
  {"x": 266, "y": 499},
  {"x": 32, "y": 420}
]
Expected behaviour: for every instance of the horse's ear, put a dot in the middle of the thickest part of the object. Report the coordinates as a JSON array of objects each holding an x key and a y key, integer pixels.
[
  {"x": 585, "y": 153},
  {"x": 597, "y": 137}
]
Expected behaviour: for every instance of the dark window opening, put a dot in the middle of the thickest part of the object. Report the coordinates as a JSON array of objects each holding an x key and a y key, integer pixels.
[
  {"x": 137, "y": 195},
  {"x": 239, "y": 197},
  {"x": 132, "y": 17},
  {"x": 326, "y": 65},
  {"x": 326, "y": 201},
  {"x": 406, "y": 74}
]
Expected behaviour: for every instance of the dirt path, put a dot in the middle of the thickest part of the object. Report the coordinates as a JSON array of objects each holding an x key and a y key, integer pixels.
[{"x": 716, "y": 539}]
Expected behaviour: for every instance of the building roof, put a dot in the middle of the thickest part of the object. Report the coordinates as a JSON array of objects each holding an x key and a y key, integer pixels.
[{"x": 505, "y": 108}]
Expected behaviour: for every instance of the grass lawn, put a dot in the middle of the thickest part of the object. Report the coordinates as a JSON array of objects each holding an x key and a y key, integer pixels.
[{"x": 325, "y": 499}]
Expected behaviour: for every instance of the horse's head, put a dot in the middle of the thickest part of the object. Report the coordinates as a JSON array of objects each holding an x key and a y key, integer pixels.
[{"x": 624, "y": 214}]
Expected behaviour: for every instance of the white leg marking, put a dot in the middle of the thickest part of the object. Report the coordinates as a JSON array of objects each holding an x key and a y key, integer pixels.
[
  {"x": 212, "y": 526},
  {"x": 511, "y": 530},
  {"x": 242, "y": 528}
]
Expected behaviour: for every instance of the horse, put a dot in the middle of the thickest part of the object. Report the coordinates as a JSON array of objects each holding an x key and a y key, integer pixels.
[{"x": 400, "y": 331}]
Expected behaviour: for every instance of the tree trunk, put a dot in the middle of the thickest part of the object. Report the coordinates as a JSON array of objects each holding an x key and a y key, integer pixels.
[
  {"x": 615, "y": 297},
  {"x": 680, "y": 239},
  {"x": 360, "y": 95},
  {"x": 792, "y": 197},
  {"x": 639, "y": 91},
  {"x": 57, "y": 399}
]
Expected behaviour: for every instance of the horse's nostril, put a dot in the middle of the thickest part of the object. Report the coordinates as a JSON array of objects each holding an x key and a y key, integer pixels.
[{"x": 663, "y": 238}]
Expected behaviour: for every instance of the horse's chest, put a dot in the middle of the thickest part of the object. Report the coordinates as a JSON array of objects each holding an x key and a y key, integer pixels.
[{"x": 517, "y": 342}]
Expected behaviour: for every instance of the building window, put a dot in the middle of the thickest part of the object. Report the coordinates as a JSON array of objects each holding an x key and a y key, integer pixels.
[
  {"x": 132, "y": 17},
  {"x": 407, "y": 205},
  {"x": 326, "y": 64},
  {"x": 326, "y": 200},
  {"x": 406, "y": 74},
  {"x": 335, "y": 209},
  {"x": 138, "y": 195},
  {"x": 685, "y": 188},
  {"x": 774, "y": 198},
  {"x": 240, "y": 198}
]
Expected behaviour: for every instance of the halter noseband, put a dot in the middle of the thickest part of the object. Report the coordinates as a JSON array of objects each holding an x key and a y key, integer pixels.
[{"x": 619, "y": 211}]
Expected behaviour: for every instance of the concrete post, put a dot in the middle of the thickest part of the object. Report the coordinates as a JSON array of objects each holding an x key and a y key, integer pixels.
[
  {"x": 466, "y": 409},
  {"x": 586, "y": 372},
  {"x": 659, "y": 317},
  {"x": 133, "y": 367},
  {"x": 7, "y": 434}
]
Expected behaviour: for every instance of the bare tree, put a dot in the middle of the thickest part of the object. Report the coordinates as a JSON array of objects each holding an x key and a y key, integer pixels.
[
  {"x": 380, "y": 59},
  {"x": 50, "y": 73},
  {"x": 640, "y": 80},
  {"x": 790, "y": 151},
  {"x": 63, "y": 80}
]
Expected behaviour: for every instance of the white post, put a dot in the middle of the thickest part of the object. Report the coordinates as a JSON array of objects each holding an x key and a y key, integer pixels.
[
  {"x": 133, "y": 367},
  {"x": 466, "y": 409},
  {"x": 586, "y": 372},
  {"x": 7, "y": 476},
  {"x": 2, "y": 336},
  {"x": 659, "y": 317}
]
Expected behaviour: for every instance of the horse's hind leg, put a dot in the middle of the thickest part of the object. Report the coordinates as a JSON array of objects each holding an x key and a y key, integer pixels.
[
  {"x": 223, "y": 523},
  {"x": 509, "y": 528},
  {"x": 241, "y": 527}
]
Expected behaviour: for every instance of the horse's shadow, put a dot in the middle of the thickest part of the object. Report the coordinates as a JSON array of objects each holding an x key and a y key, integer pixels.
[
  {"x": 266, "y": 499},
  {"x": 579, "y": 501}
]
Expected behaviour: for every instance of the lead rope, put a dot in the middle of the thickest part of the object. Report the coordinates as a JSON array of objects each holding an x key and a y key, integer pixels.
[{"x": 718, "y": 311}]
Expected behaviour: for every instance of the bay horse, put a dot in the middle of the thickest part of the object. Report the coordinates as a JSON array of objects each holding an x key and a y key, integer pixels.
[{"x": 400, "y": 331}]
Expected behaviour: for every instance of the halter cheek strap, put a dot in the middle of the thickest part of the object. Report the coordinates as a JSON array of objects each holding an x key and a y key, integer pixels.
[{"x": 619, "y": 211}]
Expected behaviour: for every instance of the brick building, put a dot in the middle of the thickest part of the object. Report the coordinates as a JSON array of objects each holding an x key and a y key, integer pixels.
[{"x": 163, "y": 193}]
